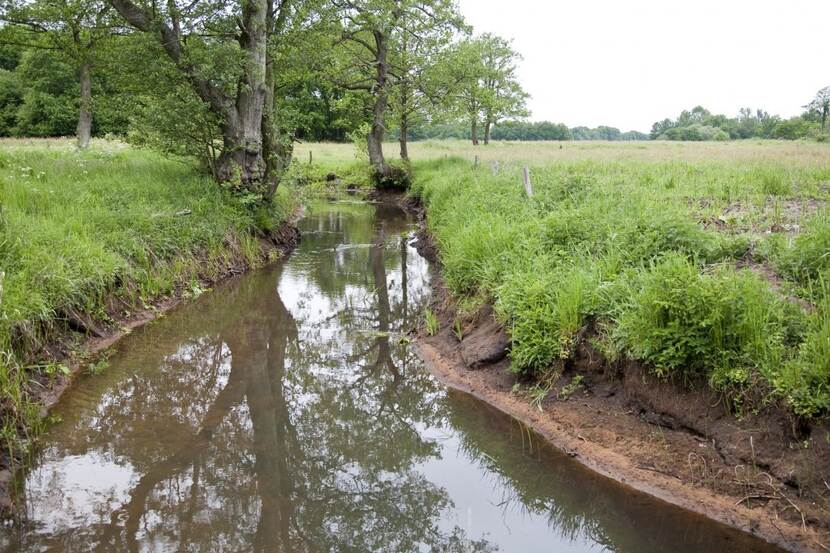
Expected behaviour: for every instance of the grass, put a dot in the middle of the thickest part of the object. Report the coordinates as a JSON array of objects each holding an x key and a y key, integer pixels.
[
  {"x": 708, "y": 262},
  {"x": 80, "y": 229}
]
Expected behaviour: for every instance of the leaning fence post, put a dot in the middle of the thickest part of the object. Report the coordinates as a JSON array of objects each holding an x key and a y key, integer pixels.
[
  {"x": 310, "y": 157},
  {"x": 528, "y": 185}
]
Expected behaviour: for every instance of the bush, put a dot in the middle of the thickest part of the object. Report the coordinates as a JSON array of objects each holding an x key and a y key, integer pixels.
[
  {"x": 726, "y": 326},
  {"x": 805, "y": 381},
  {"x": 808, "y": 259},
  {"x": 546, "y": 310},
  {"x": 791, "y": 129},
  {"x": 49, "y": 106},
  {"x": 11, "y": 96}
]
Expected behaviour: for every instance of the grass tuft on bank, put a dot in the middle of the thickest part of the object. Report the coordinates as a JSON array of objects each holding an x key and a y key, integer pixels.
[
  {"x": 81, "y": 232},
  {"x": 709, "y": 272}
]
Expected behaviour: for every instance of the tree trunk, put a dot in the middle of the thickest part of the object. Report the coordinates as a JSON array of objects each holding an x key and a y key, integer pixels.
[
  {"x": 241, "y": 161},
  {"x": 242, "y": 158},
  {"x": 474, "y": 131},
  {"x": 487, "y": 127},
  {"x": 403, "y": 138},
  {"x": 84, "y": 129},
  {"x": 378, "y": 129}
]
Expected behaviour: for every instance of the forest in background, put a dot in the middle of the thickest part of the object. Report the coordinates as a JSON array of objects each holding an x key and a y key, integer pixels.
[{"x": 438, "y": 92}]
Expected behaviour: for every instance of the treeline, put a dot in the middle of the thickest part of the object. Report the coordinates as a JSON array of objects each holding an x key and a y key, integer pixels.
[
  {"x": 237, "y": 83},
  {"x": 701, "y": 124},
  {"x": 525, "y": 130}
]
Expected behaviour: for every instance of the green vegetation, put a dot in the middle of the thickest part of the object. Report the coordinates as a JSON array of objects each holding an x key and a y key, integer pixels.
[
  {"x": 81, "y": 231},
  {"x": 431, "y": 322},
  {"x": 701, "y": 124},
  {"x": 710, "y": 271}
]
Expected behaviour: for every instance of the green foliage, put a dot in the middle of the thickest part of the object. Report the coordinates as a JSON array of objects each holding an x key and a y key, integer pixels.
[
  {"x": 518, "y": 130},
  {"x": 619, "y": 246},
  {"x": 804, "y": 381},
  {"x": 546, "y": 311},
  {"x": 431, "y": 322},
  {"x": 726, "y": 326},
  {"x": 11, "y": 96},
  {"x": 569, "y": 389},
  {"x": 808, "y": 259},
  {"x": 700, "y": 124},
  {"x": 49, "y": 106},
  {"x": 140, "y": 228},
  {"x": 791, "y": 129}
]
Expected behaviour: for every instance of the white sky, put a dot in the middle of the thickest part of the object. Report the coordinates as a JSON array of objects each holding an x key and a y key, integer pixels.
[{"x": 628, "y": 63}]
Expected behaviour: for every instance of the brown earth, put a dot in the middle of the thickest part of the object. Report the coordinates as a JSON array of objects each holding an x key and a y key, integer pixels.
[
  {"x": 76, "y": 345},
  {"x": 765, "y": 473}
]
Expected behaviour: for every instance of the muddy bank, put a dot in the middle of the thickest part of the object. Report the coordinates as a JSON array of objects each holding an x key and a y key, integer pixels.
[
  {"x": 82, "y": 336},
  {"x": 765, "y": 474}
]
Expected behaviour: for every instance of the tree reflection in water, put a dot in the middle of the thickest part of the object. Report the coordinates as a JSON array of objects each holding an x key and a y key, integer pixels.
[{"x": 250, "y": 424}]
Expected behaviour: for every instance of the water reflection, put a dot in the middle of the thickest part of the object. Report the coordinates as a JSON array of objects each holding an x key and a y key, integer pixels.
[{"x": 285, "y": 412}]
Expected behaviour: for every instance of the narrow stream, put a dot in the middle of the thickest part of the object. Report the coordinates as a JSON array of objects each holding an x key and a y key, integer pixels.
[{"x": 285, "y": 411}]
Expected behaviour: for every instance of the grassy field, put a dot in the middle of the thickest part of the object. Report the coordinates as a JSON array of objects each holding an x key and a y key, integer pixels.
[
  {"x": 709, "y": 262},
  {"x": 78, "y": 229},
  {"x": 795, "y": 154}
]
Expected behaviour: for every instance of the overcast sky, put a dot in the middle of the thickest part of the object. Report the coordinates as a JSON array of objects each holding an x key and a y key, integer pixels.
[{"x": 628, "y": 63}]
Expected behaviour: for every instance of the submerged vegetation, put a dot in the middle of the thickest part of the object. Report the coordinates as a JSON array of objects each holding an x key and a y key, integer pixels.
[{"x": 709, "y": 272}]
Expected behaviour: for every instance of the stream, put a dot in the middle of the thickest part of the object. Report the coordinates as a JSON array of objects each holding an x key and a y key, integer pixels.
[{"x": 285, "y": 410}]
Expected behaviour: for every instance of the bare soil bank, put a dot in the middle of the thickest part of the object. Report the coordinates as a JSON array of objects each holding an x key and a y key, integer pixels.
[
  {"x": 85, "y": 336},
  {"x": 765, "y": 474}
]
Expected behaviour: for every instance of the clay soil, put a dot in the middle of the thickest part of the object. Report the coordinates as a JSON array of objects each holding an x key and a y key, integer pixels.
[{"x": 765, "y": 473}]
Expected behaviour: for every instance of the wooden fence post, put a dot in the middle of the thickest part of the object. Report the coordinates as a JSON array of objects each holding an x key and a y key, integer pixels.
[
  {"x": 309, "y": 157},
  {"x": 475, "y": 163},
  {"x": 528, "y": 185}
]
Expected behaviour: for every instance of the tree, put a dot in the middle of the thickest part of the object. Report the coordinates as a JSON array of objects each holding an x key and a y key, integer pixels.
[
  {"x": 489, "y": 89},
  {"x": 423, "y": 84},
  {"x": 222, "y": 52},
  {"x": 659, "y": 128},
  {"x": 75, "y": 28},
  {"x": 502, "y": 94},
  {"x": 466, "y": 62},
  {"x": 820, "y": 105},
  {"x": 374, "y": 35}
]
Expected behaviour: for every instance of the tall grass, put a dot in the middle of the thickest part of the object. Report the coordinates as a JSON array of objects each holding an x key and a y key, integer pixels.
[
  {"x": 680, "y": 257},
  {"x": 78, "y": 229}
]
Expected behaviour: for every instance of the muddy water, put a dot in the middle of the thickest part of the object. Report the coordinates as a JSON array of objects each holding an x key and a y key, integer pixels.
[{"x": 285, "y": 411}]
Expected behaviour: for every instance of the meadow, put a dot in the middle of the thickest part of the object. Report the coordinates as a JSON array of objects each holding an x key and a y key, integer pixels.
[
  {"x": 707, "y": 262},
  {"x": 81, "y": 231}
]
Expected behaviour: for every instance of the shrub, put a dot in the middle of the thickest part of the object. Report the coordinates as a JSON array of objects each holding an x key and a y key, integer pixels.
[
  {"x": 804, "y": 382},
  {"x": 809, "y": 256},
  {"x": 659, "y": 232},
  {"x": 546, "y": 310},
  {"x": 725, "y": 326}
]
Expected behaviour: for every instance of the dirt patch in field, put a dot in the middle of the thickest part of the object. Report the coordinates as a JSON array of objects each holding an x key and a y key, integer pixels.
[
  {"x": 84, "y": 336},
  {"x": 776, "y": 216},
  {"x": 766, "y": 474}
]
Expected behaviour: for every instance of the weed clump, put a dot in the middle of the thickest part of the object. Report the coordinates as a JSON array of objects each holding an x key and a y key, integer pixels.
[{"x": 724, "y": 326}]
